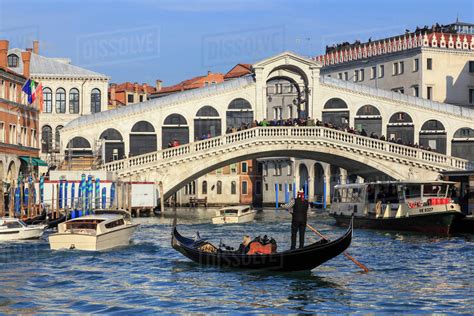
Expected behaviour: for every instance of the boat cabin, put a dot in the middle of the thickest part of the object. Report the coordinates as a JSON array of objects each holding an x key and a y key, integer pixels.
[
  {"x": 233, "y": 211},
  {"x": 10, "y": 223},
  {"x": 383, "y": 198},
  {"x": 92, "y": 224}
]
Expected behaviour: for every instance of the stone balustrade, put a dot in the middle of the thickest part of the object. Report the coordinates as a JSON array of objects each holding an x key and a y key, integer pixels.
[{"x": 329, "y": 137}]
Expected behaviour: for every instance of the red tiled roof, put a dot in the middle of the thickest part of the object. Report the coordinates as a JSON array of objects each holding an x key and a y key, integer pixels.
[
  {"x": 129, "y": 86},
  {"x": 238, "y": 70},
  {"x": 193, "y": 83}
]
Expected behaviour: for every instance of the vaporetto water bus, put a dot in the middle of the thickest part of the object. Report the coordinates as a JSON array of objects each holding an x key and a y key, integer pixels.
[{"x": 420, "y": 206}]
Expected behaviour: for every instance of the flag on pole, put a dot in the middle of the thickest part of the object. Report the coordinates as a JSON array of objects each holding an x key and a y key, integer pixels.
[
  {"x": 30, "y": 89},
  {"x": 39, "y": 97}
]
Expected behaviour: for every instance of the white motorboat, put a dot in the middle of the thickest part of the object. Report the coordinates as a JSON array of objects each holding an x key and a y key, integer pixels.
[
  {"x": 104, "y": 230},
  {"x": 234, "y": 215},
  {"x": 16, "y": 229}
]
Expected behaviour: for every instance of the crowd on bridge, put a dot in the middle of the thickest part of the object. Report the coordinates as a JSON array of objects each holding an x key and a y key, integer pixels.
[{"x": 311, "y": 122}]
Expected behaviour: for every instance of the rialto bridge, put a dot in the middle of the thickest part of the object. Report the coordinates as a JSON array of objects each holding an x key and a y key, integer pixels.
[{"x": 283, "y": 86}]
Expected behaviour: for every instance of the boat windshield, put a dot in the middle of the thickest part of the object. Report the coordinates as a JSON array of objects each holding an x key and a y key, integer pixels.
[
  {"x": 84, "y": 224},
  {"x": 12, "y": 224},
  {"x": 350, "y": 194},
  {"x": 229, "y": 212},
  {"x": 435, "y": 190}
]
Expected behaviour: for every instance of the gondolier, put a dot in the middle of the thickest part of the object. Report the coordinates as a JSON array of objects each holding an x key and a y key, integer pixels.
[{"x": 299, "y": 218}]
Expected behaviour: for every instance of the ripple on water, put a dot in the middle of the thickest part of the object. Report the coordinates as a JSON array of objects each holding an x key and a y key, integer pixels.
[{"x": 410, "y": 273}]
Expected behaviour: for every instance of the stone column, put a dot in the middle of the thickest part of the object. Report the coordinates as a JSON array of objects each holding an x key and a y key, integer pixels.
[
  {"x": 310, "y": 189},
  {"x": 343, "y": 175}
]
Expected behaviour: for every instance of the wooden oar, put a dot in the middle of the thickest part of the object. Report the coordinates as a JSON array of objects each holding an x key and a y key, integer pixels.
[{"x": 363, "y": 267}]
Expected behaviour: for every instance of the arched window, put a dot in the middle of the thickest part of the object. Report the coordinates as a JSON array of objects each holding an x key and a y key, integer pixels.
[
  {"x": 219, "y": 187},
  {"x": 142, "y": 138},
  {"x": 143, "y": 127},
  {"x": 239, "y": 112},
  {"x": 48, "y": 100},
  {"x": 336, "y": 112},
  {"x": 74, "y": 101},
  {"x": 207, "y": 123},
  {"x": 60, "y": 100},
  {"x": 79, "y": 143},
  {"x": 233, "y": 187},
  {"x": 57, "y": 138},
  {"x": 369, "y": 120},
  {"x": 95, "y": 101},
  {"x": 113, "y": 145},
  {"x": 174, "y": 129},
  {"x": 46, "y": 139},
  {"x": 207, "y": 111},
  {"x": 401, "y": 128},
  {"x": 13, "y": 60},
  {"x": 175, "y": 119},
  {"x": 335, "y": 103},
  {"x": 204, "y": 187},
  {"x": 462, "y": 144},
  {"x": 111, "y": 134},
  {"x": 433, "y": 136}
]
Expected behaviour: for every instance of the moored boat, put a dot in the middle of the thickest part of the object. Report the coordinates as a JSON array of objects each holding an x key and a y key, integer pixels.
[
  {"x": 100, "y": 231},
  {"x": 306, "y": 258},
  {"x": 16, "y": 229},
  {"x": 234, "y": 215},
  {"x": 419, "y": 206}
]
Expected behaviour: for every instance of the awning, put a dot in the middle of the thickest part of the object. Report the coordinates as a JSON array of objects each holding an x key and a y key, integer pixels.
[{"x": 34, "y": 161}]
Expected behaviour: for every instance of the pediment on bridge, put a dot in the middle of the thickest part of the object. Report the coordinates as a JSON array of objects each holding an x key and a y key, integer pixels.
[{"x": 287, "y": 58}]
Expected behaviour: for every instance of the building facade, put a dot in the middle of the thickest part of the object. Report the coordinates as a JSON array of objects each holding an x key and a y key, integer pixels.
[
  {"x": 432, "y": 65},
  {"x": 126, "y": 93},
  {"x": 69, "y": 92},
  {"x": 19, "y": 126}
]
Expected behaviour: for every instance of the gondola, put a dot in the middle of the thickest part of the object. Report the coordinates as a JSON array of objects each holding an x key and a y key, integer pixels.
[
  {"x": 37, "y": 219},
  {"x": 306, "y": 258},
  {"x": 53, "y": 223}
]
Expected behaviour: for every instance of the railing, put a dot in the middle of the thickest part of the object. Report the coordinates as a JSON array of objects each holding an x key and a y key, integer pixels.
[
  {"x": 424, "y": 103},
  {"x": 305, "y": 133}
]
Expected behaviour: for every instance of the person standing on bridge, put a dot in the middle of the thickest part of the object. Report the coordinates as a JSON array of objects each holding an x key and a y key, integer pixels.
[{"x": 299, "y": 218}]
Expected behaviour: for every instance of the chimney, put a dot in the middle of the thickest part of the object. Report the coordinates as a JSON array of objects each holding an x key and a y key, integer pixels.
[
  {"x": 36, "y": 47},
  {"x": 26, "y": 57},
  {"x": 112, "y": 95},
  {"x": 145, "y": 86},
  {"x": 29, "y": 50},
  {"x": 3, "y": 53},
  {"x": 208, "y": 72},
  {"x": 158, "y": 85}
]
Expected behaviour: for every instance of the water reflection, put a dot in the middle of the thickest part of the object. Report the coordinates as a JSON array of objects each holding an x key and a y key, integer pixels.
[{"x": 409, "y": 273}]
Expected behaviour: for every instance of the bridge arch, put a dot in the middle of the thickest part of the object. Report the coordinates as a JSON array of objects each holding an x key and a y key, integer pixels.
[
  {"x": 368, "y": 118},
  {"x": 401, "y": 127},
  {"x": 303, "y": 176},
  {"x": 319, "y": 179},
  {"x": 433, "y": 136},
  {"x": 142, "y": 138},
  {"x": 239, "y": 111},
  {"x": 462, "y": 144},
  {"x": 284, "y": 98},
  {"x": 79, "y": 147},
  {"x": 207, "y": 122},
  {"x": 370, "y": 166},
  {"x": 114, "y": 147},
  {"x": 175, "y": 127},
  {"x": 12, "y": 172},
  {"x": 336, "y": 111}
]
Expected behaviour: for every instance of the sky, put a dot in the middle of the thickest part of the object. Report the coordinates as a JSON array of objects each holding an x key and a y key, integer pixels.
[{"x": 173, "y": 40}]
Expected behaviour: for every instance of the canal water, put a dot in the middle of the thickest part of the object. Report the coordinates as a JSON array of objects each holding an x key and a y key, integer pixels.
[{"x": 410, "y": 273}]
